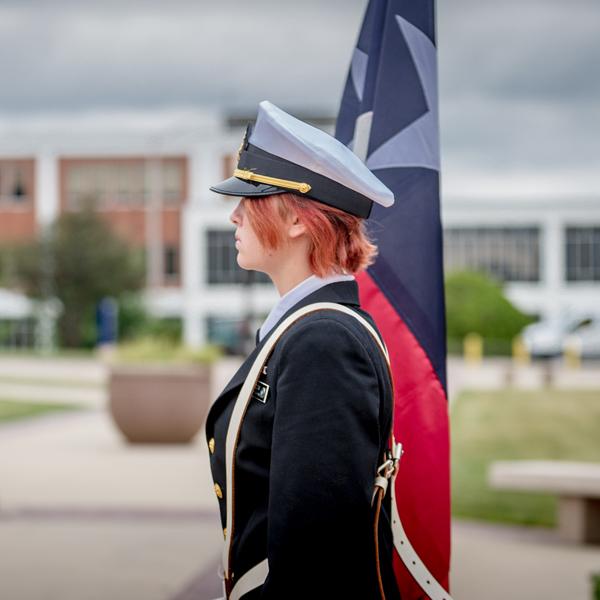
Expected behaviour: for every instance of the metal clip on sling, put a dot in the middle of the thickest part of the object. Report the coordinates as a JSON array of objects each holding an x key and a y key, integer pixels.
[{"x": 387, "y": 469}]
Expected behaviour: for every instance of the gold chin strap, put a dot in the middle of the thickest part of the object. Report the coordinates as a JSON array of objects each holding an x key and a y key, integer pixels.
[{"x": 284, "y": 183}]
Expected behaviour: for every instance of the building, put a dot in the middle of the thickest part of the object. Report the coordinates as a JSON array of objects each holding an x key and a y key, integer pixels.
[{"x": 148, "y": 173}]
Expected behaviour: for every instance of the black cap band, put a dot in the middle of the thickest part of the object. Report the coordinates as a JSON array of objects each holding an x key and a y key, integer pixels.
[{"x": 322, "y": 188}]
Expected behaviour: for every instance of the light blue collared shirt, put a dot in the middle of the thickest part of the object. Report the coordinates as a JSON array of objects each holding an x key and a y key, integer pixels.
[{"x": 303, "y": 289}]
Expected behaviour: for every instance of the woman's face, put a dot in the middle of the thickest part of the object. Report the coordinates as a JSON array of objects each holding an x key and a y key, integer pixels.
[{"x": 251, "y": 254}]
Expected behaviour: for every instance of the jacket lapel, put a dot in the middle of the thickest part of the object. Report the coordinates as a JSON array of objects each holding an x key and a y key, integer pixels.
[{"x": 343, "y": 292}]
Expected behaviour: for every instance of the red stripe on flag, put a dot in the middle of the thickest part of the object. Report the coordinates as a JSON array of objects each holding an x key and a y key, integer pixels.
[{"x": 421, "y": 425}]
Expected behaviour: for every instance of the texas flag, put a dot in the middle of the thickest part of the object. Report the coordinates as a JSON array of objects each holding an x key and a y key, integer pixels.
[{"x": 389, "y": 117}]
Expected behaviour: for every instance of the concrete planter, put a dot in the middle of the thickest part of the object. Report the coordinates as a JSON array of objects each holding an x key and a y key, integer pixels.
[{"x": 165, "y": 404}]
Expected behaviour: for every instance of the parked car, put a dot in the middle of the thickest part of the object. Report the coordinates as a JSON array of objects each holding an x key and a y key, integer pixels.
[
  {"x": 585, "y": 342},
  {"x": 546, "y": 338}
]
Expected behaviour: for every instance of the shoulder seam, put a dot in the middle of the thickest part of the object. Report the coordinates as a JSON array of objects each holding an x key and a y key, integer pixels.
[{"x": 341, "y": 324}]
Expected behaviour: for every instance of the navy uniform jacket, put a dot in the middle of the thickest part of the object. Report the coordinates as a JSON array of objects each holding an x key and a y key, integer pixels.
[{"x": 307, "y": 457}]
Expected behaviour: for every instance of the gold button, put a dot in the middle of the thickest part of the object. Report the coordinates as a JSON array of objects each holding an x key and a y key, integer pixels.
[
  {"x": 218, "y": 491},
  {"x": 225, "y": 533},
  {"x": 211, "y": 445}
]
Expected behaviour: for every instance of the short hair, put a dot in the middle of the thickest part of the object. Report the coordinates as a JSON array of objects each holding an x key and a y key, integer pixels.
[{"x": 338, "y": 240}]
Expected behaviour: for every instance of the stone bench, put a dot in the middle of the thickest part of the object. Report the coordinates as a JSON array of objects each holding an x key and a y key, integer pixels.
[{"x": 577, "y": 485}]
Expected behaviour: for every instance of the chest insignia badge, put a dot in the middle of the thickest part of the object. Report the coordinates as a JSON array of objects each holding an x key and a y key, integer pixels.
[{"x": 260, "y": 392}]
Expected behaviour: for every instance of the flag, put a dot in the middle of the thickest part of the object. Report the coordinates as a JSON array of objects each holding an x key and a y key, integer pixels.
[{"x": 389, "y": 117}]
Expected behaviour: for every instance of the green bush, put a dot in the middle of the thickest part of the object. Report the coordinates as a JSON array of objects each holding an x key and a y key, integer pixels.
[
  {"x": 163, "y": 350},
  {"x": 135, "y": 322},
  {"x": 132, "y": 316},
  {"x": 169, "y": 328},
  {"x": 12, "y": 410},
  {"x": 476, "y": 303}
]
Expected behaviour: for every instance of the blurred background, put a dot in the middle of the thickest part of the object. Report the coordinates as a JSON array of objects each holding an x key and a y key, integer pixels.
[{"x": 123, "y": 311}]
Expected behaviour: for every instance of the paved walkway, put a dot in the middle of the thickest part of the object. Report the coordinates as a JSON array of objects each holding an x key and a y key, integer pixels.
[
  {"x": 501, "y": 562},
  {"x": 86, "y": 516}
]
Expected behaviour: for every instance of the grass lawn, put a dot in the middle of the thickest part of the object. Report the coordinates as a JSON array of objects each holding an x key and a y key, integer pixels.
[
  {"x": 55, "y": 353},
  {"x": 47, "y": 381},
  {"x": 517, "y": 424},
  {"x": 11, "y": 410}
]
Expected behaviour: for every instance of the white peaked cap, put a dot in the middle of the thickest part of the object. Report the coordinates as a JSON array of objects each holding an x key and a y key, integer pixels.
[
  {"x": 279, "y": 133},
  {"x": 281, "y": 153}
]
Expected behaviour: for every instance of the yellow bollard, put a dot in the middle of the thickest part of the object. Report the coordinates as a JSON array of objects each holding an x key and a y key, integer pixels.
[
  {"x": 572, "y": 354},
  {"x": 520, "y": 354},
  {"x": 473, "y": 348}
]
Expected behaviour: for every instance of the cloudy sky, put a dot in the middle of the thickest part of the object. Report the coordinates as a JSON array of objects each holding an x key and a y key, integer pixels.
[{"x": 519, "y": 79}]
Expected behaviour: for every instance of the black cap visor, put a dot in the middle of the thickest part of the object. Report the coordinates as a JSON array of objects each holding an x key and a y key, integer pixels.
[{"x": 234, "y": 186}]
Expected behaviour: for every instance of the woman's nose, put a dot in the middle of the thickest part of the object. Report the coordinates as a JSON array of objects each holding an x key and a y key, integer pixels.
[{"x": 234, "y": 217}]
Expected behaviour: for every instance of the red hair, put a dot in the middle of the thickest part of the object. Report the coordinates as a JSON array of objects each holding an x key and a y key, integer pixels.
[{"x": 338, "y": 240}]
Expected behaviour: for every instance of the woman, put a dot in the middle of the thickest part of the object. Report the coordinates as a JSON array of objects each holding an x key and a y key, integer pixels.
[{"x": 318, "y": 423}]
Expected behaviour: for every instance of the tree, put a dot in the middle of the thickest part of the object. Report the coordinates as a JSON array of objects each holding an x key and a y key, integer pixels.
[{"x": 87, "y": 262}]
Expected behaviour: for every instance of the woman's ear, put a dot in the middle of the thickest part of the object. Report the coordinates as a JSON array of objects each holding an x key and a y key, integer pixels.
[{"x": 295, "y": 227}]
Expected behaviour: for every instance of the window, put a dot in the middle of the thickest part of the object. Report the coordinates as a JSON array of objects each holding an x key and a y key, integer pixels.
[
  {"x": 506, "y": 253},
  {"x": 16, "y": 181},
  {"x": 582, "y": 254},
  {"x": 18, "y": 188},
  {"x": 171, "y": 261},
  {"x": 173, "y": 181},
  {"x": 122, "y": 182},
  {"x": 222, "y": 264}
]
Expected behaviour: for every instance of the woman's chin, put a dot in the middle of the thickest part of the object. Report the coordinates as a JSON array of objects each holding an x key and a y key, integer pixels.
[
  {"x": 243, "y": 264},
  {"x": 247, "y": 265}
]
